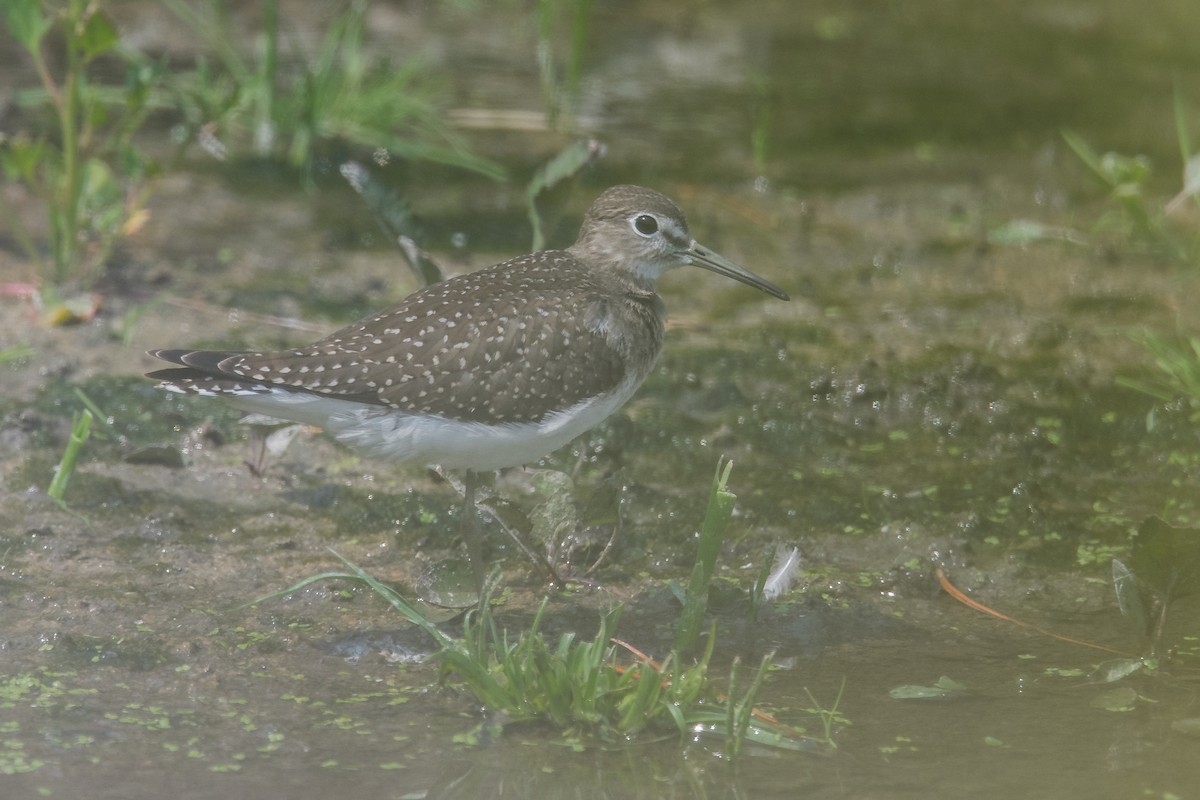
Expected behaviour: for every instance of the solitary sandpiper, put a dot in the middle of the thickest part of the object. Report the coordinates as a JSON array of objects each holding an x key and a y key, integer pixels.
[{"x": 486, "y": 370}]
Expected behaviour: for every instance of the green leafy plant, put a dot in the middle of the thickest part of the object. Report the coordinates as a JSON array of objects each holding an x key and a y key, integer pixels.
[
  {"x": 343, "y": 94},
  {"x": 1138, "y": 217},
  {"x": 585, "y": 686},
  {"x": 830, "y": 717},
  {"x": 575, "y": 684},
  {"x": 1177, "y": 358},
  {"x": 89, "y": 176},
  {"x": 1178, "y": 362},
  {"x": 600, "y": 687},
  {"x": 1125, "y": 177}
]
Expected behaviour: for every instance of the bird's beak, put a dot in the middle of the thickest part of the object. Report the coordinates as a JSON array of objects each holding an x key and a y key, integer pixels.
[{"x": 701, "y": 256}]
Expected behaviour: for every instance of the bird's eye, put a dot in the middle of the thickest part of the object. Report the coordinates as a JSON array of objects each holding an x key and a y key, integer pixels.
[{"x": 645, "y": 224}]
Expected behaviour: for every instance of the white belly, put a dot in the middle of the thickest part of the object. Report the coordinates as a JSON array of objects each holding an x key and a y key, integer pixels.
[{"x": 385, "y": 433}]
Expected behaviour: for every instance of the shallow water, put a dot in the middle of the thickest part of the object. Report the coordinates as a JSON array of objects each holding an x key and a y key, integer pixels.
[{"x": 928, "y": 399}]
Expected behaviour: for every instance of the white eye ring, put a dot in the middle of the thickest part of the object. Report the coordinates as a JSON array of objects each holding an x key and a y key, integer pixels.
[{"x": 645, "y": 225}]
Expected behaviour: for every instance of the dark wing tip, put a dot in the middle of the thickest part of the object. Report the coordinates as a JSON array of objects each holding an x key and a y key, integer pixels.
[
  {"x": 203, "y": 360},
  {"x": 172, "y": 374},
  {"x": 174, "y": 356}
]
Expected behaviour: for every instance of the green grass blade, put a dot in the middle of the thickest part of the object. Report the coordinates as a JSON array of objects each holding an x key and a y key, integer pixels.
[
  {"x": 712, "y": 535},
  {"x": 399, "y": 603},
  {"x": 1087, "y": 155},
  {"x": 81, "y": 428},
  {"x": 298, "y": 586},
  {"x": 15, "y": 352}
]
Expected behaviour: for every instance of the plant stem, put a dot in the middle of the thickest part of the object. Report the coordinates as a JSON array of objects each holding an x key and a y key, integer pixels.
[
  {"x": 264, "y": 124},
  {"x": 66, "y": 216},
  {"x": 80, "y": 429}
]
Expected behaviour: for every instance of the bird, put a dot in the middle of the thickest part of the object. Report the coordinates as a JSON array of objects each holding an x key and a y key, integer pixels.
[{"x": 489, "y": 369}]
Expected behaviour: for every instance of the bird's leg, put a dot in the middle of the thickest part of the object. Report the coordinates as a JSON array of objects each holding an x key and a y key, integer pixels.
[{"x": 472, "y": 529}]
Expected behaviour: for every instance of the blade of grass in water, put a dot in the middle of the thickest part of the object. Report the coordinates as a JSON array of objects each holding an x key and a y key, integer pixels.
[
  {"x": 712, "y": 534},
  {"x": 81, "y": 427}
]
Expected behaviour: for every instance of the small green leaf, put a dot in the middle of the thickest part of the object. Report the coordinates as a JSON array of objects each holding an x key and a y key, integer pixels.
[
  {"x": 21, "y": 158},
  {"x": 943, "y": 688},
  {"x": 1025, "y": 232},
  {"x": 26, "y": 22},
  {"x": 98, "y": 35},
  {"x": 1019, "y": 232}
]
